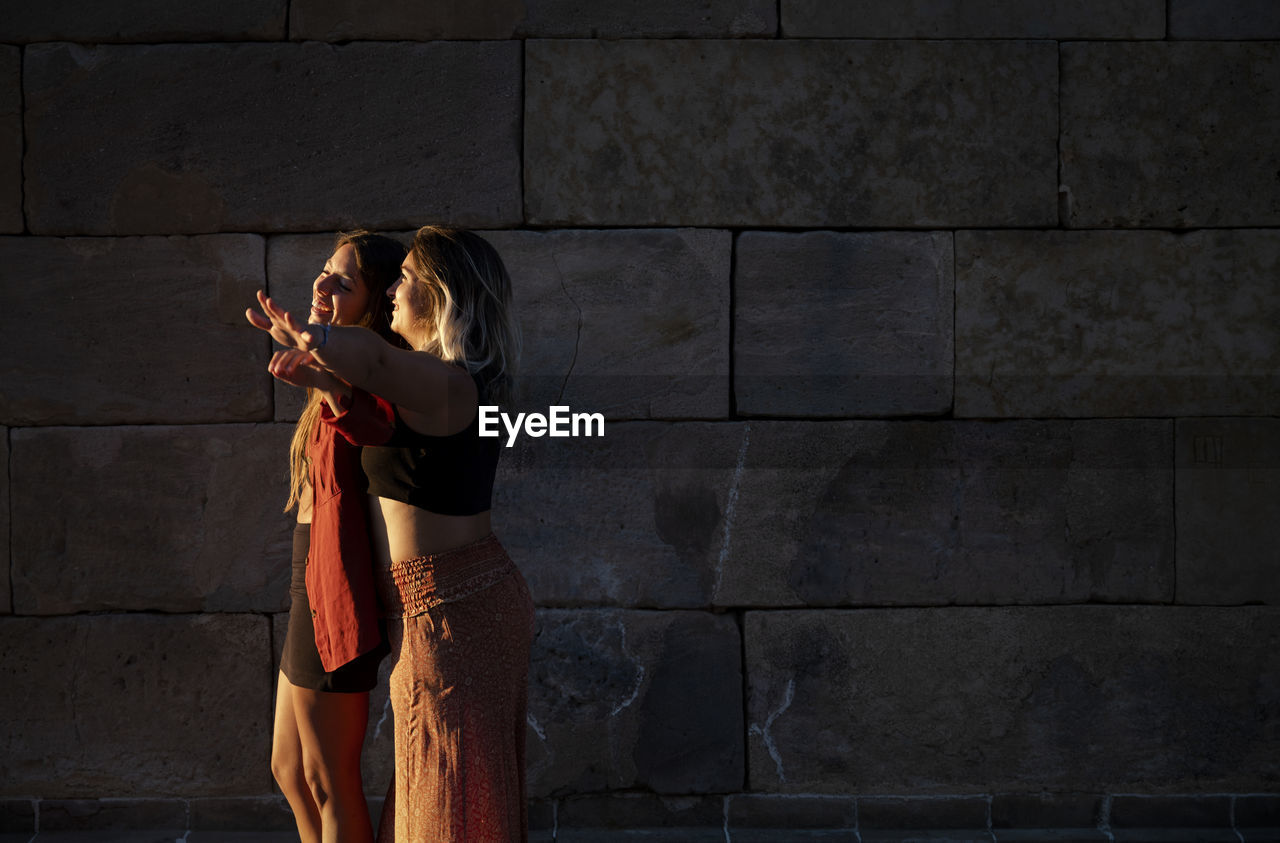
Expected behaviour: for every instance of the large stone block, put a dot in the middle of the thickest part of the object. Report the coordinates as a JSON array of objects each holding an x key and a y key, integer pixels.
[
  {"x": 631, "y": 324},
  {"x": 585, "y": 817},
  {"x": 10, "y": 140},
  {"x": 145, "y": 20},
  {"x": 1228, "y": 480},
  {"x": 936, "y": 513},
  {"x": 1117, "y": 323},
  {"x": 778, "y": 133},
  {"x": 1170, "y": 135},
  {"x": 110, "y": 331},
  {"x": 640, "y": 512},
  {"x": 398, "y": 20},
  {"x": 6, "y": 597},
  {"x": 1227, "y": 19},
  {"x": 625, "y": 699},
  {"x": 278, "y": 137},
  {"x": 829, "y": 324},
  {"x": 1054, "y": 699},
  {"x": 1092, "y": 19},
  {"x": 752, "y": 811},
  {"x": 177, "y": 519},
  {"x": 241, "y": 814},
  {"x": 1048, "y": 810},
  {"x": 146, "y": 705},
  {"x": 114, "y": 815}
]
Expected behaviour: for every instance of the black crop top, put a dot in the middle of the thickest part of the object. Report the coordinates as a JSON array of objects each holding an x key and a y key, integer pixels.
[{"x": 448, "y": 475}]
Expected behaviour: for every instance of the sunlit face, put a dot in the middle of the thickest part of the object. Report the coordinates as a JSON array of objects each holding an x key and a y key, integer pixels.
[
  {"x": 409, "y": 316},
  {"x": 339, "y": 295}
]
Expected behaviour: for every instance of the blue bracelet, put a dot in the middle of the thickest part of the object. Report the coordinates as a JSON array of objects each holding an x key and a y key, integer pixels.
[{"x": 325, "y": 327}]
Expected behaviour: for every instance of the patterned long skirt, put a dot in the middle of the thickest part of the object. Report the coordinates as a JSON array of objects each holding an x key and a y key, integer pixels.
[{"x": 460, "y": 625}]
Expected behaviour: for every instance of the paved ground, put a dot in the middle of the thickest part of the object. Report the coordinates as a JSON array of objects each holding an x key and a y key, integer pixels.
[{"x": 709, "y": 835}]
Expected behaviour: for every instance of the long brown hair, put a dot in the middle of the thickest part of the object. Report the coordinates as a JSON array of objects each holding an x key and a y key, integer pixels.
[
  {"x": 468, "y": 306},
  {"x": 378, "y": 260}
]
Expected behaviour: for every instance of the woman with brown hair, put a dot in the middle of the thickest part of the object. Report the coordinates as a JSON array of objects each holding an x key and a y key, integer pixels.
[
  {"x": 460, "y": 619},
  {"x": 335, "y": 640}
]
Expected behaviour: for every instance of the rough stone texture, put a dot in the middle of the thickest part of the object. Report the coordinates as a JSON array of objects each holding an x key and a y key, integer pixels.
[
  {"x": 1170, "y": 812},
  {"x": 1059, "y": 835},
  {"x": 779, "y": 133},
  {"x": 339, "y": 20},
  {"x": 753, "y": 811},
  {"x": 1171, "y": 135},
  {"x": 832, "y": 324},
  {"x": 1047, "y": 810},
  {"x": 264, "y": 813},
  {"x": 17, "y": 815},
  {"x": 899, "y": 812},
  {"x": 640, "y": 811},
  {"x": 150, "y": 835},
  {"x": 115, "y": 690},
  {"x": 1055, "y": 699},
  {"x": 144, "y": 20},
  {"x": 1228, "y": 479},
  {"x": 650, "y": 835},
  {"x": 1109, "y": 323},
  {"x": 10, "y": 140},
  {"x": 1248, "y": 835},
  {"x": 1227, "y": 19},
  {"x": 1127, "y": 19},
  {"x": 918, "y": 513},
  {"x": 151, "y": 329},
  {"x": 633, "y": 519},
  {"x": 297, "y": 111},
  {"x": 175, "y": 519},
  {"x": 6, "y": 597},
  {"x": 377, "y": 762},
  {"x": 233, "y": 837},
  {"x": 627, "y": 699},
  {"x": 631, "y": 324},
  {"x": 1256, "y": 810},
  {"x": 113, "y": 814}
]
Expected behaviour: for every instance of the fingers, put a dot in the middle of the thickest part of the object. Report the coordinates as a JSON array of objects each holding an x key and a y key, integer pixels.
[
  {"x": 281, "y": 324},
  {"x": 284, "y": 364},
  {"x": 299, "y": 368},
  {"x": 257, "y": 320}
]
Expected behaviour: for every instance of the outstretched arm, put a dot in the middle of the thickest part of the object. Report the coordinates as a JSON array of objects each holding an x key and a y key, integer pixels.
[
  {"x": 298, "y": 368},
  {"x": 413, "y": 380}
]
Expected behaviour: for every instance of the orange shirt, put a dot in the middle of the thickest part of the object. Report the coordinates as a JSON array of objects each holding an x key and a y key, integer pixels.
[{"x": 340, "y": 585}]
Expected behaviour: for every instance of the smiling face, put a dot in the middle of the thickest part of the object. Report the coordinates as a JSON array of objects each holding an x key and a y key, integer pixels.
[
  {"x": 411, "y": 305},
  {"x": 339, "y": 295}
]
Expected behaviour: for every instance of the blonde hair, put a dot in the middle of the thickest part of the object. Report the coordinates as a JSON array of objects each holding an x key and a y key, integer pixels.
[
  {"x": 467, "y": 302},
  {"x": 378, "y": 260}
]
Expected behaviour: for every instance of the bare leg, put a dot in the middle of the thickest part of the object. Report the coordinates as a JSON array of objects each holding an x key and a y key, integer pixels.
[
  {"x": 331, "y": 728},
  {"x": 286, "y": 764}
]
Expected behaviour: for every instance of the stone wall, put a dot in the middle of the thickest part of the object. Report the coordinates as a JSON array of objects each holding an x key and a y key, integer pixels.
[{"x": 937, "y": 342}]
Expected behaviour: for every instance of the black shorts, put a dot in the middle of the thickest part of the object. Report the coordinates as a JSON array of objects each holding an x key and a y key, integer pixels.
[{"x": 300, "y": 662}]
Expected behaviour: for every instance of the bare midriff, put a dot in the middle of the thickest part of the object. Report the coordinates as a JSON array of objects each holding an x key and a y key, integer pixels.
[{"x": 401, "y": 531}]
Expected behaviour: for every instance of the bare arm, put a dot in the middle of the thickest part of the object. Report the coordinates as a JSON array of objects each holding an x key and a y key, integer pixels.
[
  {"x": 299, "y": 368},
  {"x": 413, "y": 380}
]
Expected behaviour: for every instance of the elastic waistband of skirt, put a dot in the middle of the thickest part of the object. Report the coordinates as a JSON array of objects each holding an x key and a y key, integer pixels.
[{"x": 415, "y": 585}]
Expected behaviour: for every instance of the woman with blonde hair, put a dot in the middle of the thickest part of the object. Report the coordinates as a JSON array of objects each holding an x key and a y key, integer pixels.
[
  {"x": 335, "y": 640},
  {"x": 460, "y": 619}
]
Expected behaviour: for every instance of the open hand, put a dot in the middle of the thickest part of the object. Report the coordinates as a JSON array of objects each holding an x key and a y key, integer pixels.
[
  {"x": 299, "y": 368},
  {"x": 283, "y": 328}
]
